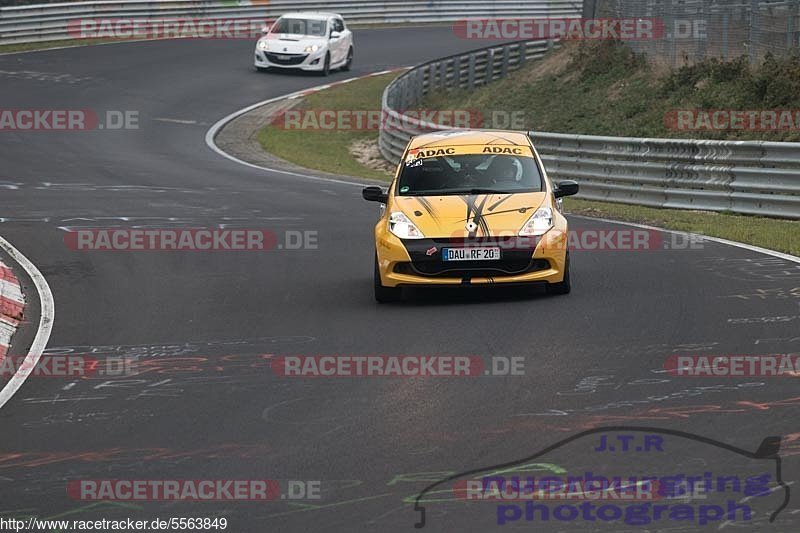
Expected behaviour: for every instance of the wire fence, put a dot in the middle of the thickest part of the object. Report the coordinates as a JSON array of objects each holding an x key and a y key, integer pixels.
[
  {"x": 748, "y": 177},
  {"x": 694, "y": 30}
]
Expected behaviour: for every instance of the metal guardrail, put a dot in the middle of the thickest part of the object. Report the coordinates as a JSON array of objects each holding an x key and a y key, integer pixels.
[
  {"x": 750, "y": 177},
  {"x": 464, "y": 71},
  {"x": 49, "y": 22}
]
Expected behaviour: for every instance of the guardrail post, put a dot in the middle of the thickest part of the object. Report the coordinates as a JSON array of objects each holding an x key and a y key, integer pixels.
[
  {"x": 443, "y": 74},
  {"x": 489, "y": 66},
  {"x": 523, "y": 52},
  {"x": 754, "y": 31},
  {"x": 471, "y": 72},
  {"x": 790, "y": 30},
  {"x": 418, "y": 80},
  {"x": 504, "y": 64},
  {"x": 702, "y": 43},
  {"x": 725, "y": 25},
  {"x": 796, "y": 15}
]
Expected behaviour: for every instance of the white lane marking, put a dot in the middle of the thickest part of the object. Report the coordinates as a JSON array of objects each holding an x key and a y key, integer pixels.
[
  {"x": 742, "y": 245},
  {"x": 215, "y": 129},
  {"x": 175, "y": 120},
  {"x": 46, "y": 316},
  {"x": 212, "y": 133}
]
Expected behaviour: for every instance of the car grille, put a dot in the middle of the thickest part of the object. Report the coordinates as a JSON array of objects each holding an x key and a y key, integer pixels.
[
  {"x": 472, "y": 271},
  {"x": 513, "y": 262},
  {"x": 293, "y": 59}
]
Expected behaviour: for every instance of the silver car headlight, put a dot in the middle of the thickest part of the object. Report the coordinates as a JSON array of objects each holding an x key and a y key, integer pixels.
[
  {"x": 539, "y": 223},
  {"x": 312, "y": 48},
  {"x": 263, "y": 45},
  {"x": 402, "y": 227}
]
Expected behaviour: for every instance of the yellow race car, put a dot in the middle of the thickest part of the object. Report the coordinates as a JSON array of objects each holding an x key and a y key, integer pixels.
[{"x": 470, "y": 208}]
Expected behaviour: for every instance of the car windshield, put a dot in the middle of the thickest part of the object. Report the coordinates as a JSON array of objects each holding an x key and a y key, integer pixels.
[
  {"x": 469, "y": 174},
  {"x": 316, "y": 28}
]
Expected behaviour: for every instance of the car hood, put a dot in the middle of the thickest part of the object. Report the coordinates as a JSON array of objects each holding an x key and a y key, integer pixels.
[
  {"x": 447, "y": 216},
  {"x": 291, "y": 44}
]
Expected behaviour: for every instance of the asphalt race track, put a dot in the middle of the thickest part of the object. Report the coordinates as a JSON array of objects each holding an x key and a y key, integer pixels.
[{"x": 201, "y": 320}]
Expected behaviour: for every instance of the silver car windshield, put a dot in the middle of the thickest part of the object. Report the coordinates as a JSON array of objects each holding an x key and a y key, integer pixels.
[{"x": 295, "y": 26}]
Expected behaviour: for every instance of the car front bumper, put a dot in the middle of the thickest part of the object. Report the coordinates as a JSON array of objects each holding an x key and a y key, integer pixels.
[
  {"x": 408, "y": 263},
  {"x": 314, "y": 61}
]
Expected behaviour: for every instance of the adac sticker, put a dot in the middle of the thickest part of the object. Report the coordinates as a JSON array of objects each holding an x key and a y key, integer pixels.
[
  {"x": 422, "y": 153},
  {"x": 502, "y": 150}
]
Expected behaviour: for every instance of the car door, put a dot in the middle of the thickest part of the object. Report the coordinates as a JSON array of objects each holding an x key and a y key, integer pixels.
[
  {"x": 338, "y": 46},
  {"x": 347, "y": 38}
]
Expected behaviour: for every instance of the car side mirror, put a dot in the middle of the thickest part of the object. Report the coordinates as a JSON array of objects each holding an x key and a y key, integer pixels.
[
  {"x": 374, "y": 194},
  {"x": 566, "y": 188},
  {"x": 335, "y": 35}
]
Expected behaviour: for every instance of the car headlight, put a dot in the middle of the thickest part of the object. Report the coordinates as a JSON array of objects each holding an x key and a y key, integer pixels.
[
  {"x": 539, "y": 223},
  {"x": 402, "y": 227},
  {"x": 312, "y": 48},
  {"x": 263, "y": 45}
]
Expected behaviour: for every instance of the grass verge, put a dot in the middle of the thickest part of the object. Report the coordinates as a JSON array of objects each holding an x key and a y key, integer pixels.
[
  {"x": 774, "y": 234},
  {"x": 604, "y": 88},
  {"x": 329, "y": 151},
  {"x": 67, "y": 43}
]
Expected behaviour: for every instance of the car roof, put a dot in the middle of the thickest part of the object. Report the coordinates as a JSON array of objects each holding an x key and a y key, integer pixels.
[
  {"x": 469, "y": 137},
  {"x": 314, "y": 15}
]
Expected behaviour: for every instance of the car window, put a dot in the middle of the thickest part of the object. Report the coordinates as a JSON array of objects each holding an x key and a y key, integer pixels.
[
  {"x": 338, "y": 25},
  {"x": 460, "y": 174},
  {"x": 298, "y": 26}
]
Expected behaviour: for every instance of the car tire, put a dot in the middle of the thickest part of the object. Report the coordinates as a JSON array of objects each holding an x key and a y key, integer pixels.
[
  {"x": 349, "y": 61},
  {"x": 384, "y": 294},
  {"x": 326, "y": 67},
  {"x": 564, "y": 287}
]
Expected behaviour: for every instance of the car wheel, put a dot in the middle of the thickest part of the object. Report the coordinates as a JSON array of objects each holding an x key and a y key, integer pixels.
[
  {"x": 349, "y": 61},
  {"x": 384, "y": 294},
  {"x": 326, "y": 67},
  {"x": 563, "y": 287}
]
